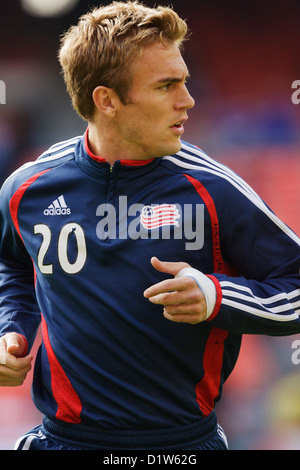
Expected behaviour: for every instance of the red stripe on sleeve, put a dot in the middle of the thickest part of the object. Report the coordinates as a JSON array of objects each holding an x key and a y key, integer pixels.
[
  {"x": 16, "y": 199},
  {"x": 220, "y": 266}
]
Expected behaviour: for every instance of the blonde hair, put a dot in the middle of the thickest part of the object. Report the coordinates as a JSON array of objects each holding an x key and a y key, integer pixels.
[{"x": 102, "y": 48}]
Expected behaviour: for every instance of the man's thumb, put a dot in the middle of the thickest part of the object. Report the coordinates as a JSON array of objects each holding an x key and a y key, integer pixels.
[
  {"x": 15, "y": 344},
  {"x": 168, "y": 267}
]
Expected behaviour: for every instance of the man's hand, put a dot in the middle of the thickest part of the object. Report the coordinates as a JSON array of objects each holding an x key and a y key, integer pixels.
[
  {"x": 13, "y": 367},
  {"x": 181, "y": 297}
]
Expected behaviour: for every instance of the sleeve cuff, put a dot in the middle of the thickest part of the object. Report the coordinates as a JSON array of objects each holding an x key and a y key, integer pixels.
[
  {"x": 26, "y": 345},
  {"x": 218, "y": 299},
  {"x": 209, "y": 286}
]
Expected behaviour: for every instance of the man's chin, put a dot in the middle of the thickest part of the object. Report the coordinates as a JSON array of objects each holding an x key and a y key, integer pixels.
[{"x": 171, "y": 149}]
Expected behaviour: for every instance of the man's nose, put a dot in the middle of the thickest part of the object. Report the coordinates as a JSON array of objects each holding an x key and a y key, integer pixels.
[{"x": 185, "y": 100}]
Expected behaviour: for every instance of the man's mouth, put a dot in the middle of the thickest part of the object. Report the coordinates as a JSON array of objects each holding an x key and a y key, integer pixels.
[
  {"x": 180, "y": 123},
  {"x": 178, "y": 126}
]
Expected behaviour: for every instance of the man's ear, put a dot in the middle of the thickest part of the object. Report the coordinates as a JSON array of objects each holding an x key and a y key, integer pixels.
[{"x": 105, "y": 100}]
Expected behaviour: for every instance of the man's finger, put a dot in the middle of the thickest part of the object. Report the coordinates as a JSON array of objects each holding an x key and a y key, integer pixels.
[
  {"x": 15, "y": 363},
  {"x": 166, "y": 286},
  {"x": 168, "y": 267},
  {"x": 3, "y": 354},
  {"x": 182, "y": 293},
  {"x": 192, "y": 319},
  {"x": 12, "y": 377}
]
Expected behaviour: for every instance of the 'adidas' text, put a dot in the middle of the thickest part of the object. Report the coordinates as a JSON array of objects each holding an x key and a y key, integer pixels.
[
  {"x": 58, "y": 207},
  {"x": 57, "y": 211}
]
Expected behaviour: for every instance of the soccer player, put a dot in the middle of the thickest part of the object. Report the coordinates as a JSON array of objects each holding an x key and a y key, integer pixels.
[{"x": 144, "y": 259}]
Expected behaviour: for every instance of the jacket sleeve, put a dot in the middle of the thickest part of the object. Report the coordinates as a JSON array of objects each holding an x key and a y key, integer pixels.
[
  {"x": 263, "y": 297},
  {"x": 18, "y": 307}
]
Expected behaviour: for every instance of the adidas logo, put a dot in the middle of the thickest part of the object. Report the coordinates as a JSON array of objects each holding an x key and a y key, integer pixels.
[{"x": 58, "y": 207}]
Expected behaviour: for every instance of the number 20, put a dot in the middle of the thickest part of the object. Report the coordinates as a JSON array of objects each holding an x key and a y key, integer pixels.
[{"x": 62, "y": 245}]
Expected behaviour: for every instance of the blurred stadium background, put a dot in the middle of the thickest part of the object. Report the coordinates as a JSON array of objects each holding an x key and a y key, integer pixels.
[{"x": 243, "y": 57}]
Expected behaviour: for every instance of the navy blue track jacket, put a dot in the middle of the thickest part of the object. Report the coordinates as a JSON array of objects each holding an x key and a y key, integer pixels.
[{"x": 77, "y": 237}]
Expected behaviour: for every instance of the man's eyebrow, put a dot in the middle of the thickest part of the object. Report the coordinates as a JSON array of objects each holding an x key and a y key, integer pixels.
[{"x": 173, "y": 79}]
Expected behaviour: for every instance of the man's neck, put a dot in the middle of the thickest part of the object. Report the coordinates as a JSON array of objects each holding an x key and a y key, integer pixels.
[
  {"x": 107, "y": 146},
  {"x": 99, "y": 147}
]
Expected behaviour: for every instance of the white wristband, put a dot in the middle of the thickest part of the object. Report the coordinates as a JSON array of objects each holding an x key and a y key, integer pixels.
[{"x": 206, "y": 285}]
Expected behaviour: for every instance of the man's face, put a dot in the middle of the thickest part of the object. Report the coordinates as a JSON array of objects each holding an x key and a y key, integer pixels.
[{"x": 151, "y": 125}]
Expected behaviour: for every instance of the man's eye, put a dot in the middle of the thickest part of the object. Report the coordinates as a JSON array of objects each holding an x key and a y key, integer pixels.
[{"x": 165, "y": 87}]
